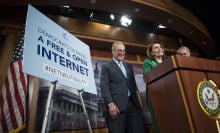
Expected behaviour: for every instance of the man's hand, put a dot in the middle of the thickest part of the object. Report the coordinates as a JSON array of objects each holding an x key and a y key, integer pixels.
[{"x": 113, "y": 110}]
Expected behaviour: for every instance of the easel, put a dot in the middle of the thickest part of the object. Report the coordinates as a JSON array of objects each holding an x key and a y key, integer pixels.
[
  {"x": 47, "y": 114},
  {"x": 49, "y": 107},
  {"x": 84, "y": 110},
  {"x": 217, "y": 124}
]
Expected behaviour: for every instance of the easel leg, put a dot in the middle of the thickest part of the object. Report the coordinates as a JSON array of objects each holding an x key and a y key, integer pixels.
[
  {"x": 44, "y": 128},
  {"x": 84, "y": 109},
  {"x": 217, "y": 123}
]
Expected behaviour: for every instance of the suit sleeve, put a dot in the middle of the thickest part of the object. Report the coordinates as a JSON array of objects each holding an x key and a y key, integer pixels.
[{"x": 105, "y": 85}]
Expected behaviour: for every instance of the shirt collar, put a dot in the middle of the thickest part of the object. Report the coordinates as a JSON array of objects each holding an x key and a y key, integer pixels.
[{"x": 117, "y": 62}]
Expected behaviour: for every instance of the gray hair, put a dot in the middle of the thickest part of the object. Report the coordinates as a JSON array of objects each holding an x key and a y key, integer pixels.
[
  {"x": 184, "y": 47},
  {"x": 116, "y": 43}
]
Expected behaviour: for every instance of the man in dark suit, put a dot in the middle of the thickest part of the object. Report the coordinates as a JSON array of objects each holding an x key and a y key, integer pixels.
[{"x": 123, "y": 112}]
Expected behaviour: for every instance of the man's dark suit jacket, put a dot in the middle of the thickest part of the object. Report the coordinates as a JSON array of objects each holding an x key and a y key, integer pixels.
[{"x": 114, "y": 85}]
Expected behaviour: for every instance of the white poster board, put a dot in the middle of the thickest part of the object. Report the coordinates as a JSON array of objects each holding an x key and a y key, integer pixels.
[{"x": 52, "y": 53}]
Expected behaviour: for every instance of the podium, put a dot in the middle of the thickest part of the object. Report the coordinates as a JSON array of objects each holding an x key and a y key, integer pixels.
[{"x": 172, "y": 86}]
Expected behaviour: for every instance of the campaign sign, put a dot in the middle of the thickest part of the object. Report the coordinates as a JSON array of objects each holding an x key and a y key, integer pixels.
[{"x": 52, "y": 53}]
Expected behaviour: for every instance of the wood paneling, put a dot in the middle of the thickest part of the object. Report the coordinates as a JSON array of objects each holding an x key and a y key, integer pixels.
[
  {"x": 9, "y": 44},
  {"x": 163, "y": 12}
]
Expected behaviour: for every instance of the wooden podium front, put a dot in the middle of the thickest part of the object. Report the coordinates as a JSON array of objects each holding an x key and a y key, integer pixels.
[{"x": 172, "y": 86}]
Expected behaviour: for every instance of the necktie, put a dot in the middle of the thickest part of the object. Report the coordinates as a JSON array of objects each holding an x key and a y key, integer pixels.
[
  {"x": 124, "y": 72},
  {"x": 122, "y": 68}
]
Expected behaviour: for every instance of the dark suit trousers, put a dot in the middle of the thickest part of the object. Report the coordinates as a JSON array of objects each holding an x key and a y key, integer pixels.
[{"x": 129, "y": 121}]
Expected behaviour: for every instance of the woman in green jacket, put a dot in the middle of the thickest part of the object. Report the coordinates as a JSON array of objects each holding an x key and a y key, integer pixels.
[{"x": 155, "y": 55}]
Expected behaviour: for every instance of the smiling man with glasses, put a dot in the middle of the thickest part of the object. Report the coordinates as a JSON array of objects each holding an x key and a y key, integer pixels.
[{"x": 122, "y": 110}]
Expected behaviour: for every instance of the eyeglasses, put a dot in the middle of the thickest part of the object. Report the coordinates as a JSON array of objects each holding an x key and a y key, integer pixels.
[{"x": 120, "y": 51}]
